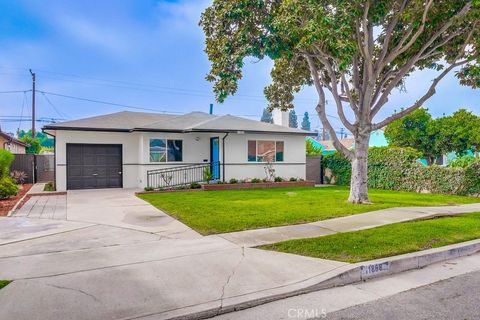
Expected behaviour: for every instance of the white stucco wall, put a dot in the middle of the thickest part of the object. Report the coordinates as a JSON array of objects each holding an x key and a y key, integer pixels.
[
  {"x": 238, "y": 167},
  {"x": 129, "y": 142},
  {"x": 196, "y": 149}
]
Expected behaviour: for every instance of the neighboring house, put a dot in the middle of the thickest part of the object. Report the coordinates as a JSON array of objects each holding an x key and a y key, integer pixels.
[
  {"x": 119, "y": 149},
  {"x": 377, "y": 139},
  {"x": 7, "y": 142}
]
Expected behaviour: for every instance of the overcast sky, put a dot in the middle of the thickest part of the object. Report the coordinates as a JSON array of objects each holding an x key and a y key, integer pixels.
[{"x": 146, "y": 54}]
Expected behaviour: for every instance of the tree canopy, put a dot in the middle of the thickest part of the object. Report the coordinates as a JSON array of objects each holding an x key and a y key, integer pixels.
[
  {"x": 306, "y": 122},
  {"x": 457, "y": 133},
  {"x": 45, "y": 140},
  {"x": 266, "y": 116},
  {"x": 359, "y": 51},
  {"x": 292, "y": 119}
]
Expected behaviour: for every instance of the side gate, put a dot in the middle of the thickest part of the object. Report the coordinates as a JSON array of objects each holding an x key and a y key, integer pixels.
[{"x": 38, "y": 167}]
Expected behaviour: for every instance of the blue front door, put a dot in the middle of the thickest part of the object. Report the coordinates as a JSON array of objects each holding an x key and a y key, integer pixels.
[{"x": 215, "y": 157}]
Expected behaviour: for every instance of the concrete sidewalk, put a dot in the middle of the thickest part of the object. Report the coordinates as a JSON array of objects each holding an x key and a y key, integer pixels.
[{"x": 256, "y": 237}]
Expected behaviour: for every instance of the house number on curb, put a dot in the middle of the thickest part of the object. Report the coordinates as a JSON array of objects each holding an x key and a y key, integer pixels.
[{"x": 374, "y": 268}]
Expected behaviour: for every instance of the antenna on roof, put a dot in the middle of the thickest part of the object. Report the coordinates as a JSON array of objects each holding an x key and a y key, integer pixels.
[{"x": 211, "y": 108}]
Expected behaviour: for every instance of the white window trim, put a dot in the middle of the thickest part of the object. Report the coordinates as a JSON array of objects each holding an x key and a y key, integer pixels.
[
  {"x": 256, "y": 148},
  {"x": 166, "y": 150}
]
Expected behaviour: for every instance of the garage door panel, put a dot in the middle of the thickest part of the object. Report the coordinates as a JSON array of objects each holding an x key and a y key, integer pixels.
[{"x": 92, "y": 166}]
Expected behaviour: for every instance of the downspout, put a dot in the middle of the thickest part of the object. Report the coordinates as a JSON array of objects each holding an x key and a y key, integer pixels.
[
  {"x": 55, "y": 162},
  {"x": 223, "y": 155}
]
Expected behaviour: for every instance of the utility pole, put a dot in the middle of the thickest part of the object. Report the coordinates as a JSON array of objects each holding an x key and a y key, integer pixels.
[{"x": 33, "y": 103}]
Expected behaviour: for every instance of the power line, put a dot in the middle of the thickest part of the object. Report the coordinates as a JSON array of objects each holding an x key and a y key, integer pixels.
[
  {"x": 150, "y": 87},
  {"x": 16, "y": 91},
  {"x": 61, "y": 114},
  {"x": 106, "y": 102},
  {"x": 21, "y": 113}
]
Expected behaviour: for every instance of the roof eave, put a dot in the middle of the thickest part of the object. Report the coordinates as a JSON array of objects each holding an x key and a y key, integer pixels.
[
  {"x": 85, "y": 129},
  {"x": 176, "y": 131}
]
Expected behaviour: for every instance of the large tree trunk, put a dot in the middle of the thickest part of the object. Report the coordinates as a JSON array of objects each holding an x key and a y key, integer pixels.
[{"x": 359, "y": 180}]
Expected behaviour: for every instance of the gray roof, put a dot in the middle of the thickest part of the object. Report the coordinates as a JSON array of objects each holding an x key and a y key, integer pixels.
[{"x": 127, "y": 121}]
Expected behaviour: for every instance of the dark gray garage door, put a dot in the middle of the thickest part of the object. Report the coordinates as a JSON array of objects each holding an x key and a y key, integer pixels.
[{"x": 93, "y": 166}]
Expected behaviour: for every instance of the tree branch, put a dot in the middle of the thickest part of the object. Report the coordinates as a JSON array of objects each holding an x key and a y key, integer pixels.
[
  {"x": 408, "y": 65},
  {"x": 419, "y": 103},
  {"x": 346, "y": 89},
  {"x": 322, "y": 113},
  {"x": 334, "y": 89},
  {"x": 388, "y": 34},
  {"x": 400, "y": 48}
]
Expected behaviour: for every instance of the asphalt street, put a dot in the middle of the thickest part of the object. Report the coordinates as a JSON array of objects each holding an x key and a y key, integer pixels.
[{"x": 454, "y": 298}]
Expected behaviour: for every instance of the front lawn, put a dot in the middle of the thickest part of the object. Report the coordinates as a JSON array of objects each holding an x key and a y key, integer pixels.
[
  {"x": 386, "y": 241},
  {"x": 4, "y": 283},
  {"x": 213, "y": 212}
]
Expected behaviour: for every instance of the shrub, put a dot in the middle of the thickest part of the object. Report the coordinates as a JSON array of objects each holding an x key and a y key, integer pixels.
[
  {"x": 195, "y": 185},
  {"x": 393, "y": 168},
  {"x": 148, "y": 189},
  {"x": 463, "y": 162},
  {"x": 207, "y": 175},
  {"x": 255, "y": 180},
  {"x": 18, "y": 176},
  {"x": 278, "y": 179},
  {"x": 233, "y": 181},
  {"x": 49, "y": 186},
  {"x": 6, "y": 159},
  {"x": 8, "y": 188},
  {"x": 293, "y": 179}
]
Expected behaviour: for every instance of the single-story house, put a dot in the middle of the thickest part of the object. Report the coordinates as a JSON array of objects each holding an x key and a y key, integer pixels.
[
  {"x": 137, "y": 149},
  {"x": 12, "y": 144}
]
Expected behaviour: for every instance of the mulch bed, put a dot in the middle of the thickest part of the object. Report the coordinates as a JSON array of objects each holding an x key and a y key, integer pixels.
[
  {"x": 259, "y": 185},
  {"x": 7, "y": 204}
]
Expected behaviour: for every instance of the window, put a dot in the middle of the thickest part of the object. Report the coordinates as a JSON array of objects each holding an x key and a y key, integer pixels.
[
  {"x": 265, "y": 151},
  {"x": 162, "y": 150},
  {"x": 157, "y": 150},
  {"x": 174, "y": 148}
]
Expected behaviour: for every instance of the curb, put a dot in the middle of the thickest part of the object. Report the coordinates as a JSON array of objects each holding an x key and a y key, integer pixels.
[{"x": 346, "y": 275}]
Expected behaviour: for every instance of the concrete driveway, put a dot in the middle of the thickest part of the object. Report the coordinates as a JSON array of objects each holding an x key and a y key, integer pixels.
[{"x": 114, "y": 256}]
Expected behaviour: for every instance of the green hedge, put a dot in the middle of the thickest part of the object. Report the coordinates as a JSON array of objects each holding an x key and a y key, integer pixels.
[{"x": 394, "y": 168}]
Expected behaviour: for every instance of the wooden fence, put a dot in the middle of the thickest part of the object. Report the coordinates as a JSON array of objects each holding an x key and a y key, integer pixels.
[
  {"x": 314, "y": 169},
  {"x": 37, "y": 167}
]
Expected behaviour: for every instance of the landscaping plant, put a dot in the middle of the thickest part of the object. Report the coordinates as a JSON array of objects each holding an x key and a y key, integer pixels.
[
  {"x": 360, "y": 51},
  {"x": 49, "y": 186},
  {"x": 8, "y": 187},
  {"x": 393, "y": 168},
  {"x": 19, "y": 176},
  {"x": 207, "y": 175}
]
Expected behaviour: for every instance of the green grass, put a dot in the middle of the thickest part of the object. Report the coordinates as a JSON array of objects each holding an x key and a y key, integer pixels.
[
  {"x": 4, "y": 283},
  {"x": 213, "y": 212},
  {"x": 386, "y": 241}
]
